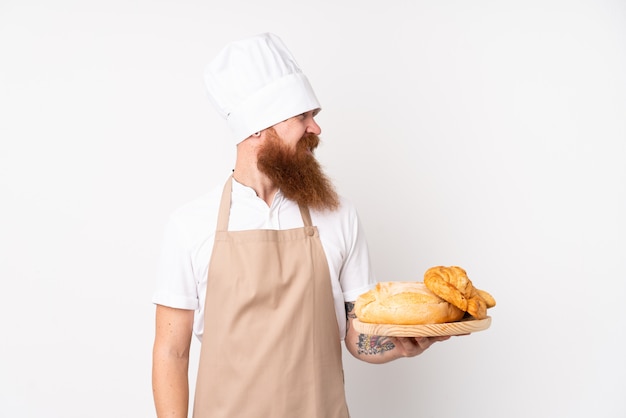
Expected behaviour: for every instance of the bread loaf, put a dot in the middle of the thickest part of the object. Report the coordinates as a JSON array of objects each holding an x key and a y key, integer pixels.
[{"x": 404, "y": 303}]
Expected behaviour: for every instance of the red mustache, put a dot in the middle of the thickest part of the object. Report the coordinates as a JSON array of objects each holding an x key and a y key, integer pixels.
[{"x": 308, "y": 142}]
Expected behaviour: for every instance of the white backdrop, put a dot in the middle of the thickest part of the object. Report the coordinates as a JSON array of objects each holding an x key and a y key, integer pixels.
[{"x": 485, "y": 134}]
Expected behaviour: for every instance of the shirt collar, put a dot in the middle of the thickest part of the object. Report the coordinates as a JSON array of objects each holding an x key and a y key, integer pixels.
[{"x": 247, "y": 192}]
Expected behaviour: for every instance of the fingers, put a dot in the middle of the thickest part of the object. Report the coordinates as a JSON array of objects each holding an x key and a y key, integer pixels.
[
  {"x": 425, "y": 342},
  {"x": 408, "y": 347},
  {"x": 413, "y": 346},
  {"x": 437, "y": 339}
]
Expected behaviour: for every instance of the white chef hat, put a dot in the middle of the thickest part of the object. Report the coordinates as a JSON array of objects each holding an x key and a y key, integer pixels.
[{"x": 255, "y": 83}]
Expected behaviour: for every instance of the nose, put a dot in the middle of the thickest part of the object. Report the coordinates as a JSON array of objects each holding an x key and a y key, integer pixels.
[{"x": 313, "y": 127}]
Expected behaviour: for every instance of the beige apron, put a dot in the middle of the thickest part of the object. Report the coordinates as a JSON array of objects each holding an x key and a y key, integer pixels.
[{"x": 271, "y": 345}]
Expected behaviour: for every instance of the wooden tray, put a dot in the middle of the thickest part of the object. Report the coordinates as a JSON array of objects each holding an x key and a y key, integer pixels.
[{"x": 464, "y": 326}]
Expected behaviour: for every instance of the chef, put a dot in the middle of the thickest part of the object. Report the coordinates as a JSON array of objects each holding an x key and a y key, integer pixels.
[{"x": 264, "y": 269}]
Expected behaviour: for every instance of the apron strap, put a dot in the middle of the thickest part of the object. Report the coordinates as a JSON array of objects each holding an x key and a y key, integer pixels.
[
  {"x": 224, "y": 212},
  {"x": 306, "y": 215}
]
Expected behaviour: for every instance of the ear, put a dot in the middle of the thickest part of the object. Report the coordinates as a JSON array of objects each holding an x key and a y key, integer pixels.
[
  {"x": 254, "y": 138},
  {"x": 251, "y": 143}
]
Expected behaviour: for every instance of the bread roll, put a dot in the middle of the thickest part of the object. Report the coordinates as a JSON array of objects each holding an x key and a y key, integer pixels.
[{"x": 404, "y": 303}]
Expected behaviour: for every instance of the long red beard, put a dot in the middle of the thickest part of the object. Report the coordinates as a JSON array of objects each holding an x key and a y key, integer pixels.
[{"x": 296, "y": 172}]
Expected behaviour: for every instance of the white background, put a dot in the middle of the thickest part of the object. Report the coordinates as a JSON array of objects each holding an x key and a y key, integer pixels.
[{"x": 486, "y": 134}]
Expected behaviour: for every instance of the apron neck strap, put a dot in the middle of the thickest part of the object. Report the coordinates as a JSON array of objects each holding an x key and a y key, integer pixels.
[
  {"x": 224, "y": 211},
  {"x": 306, "y": 215}
]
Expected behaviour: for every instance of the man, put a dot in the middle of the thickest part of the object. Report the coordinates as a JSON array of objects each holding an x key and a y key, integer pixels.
[{"x": 266, "y": 269}]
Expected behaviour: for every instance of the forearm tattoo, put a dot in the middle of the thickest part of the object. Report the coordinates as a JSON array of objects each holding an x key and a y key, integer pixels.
[
  {"x": 374, "y": 344},
  {"x": 369, "y": 344},
  {"x": 350, "y": 309},
  {"x": 349, "y": 314}
]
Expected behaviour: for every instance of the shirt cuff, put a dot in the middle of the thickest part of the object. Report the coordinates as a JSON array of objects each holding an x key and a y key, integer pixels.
[{"x": 175, "y": 301}]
